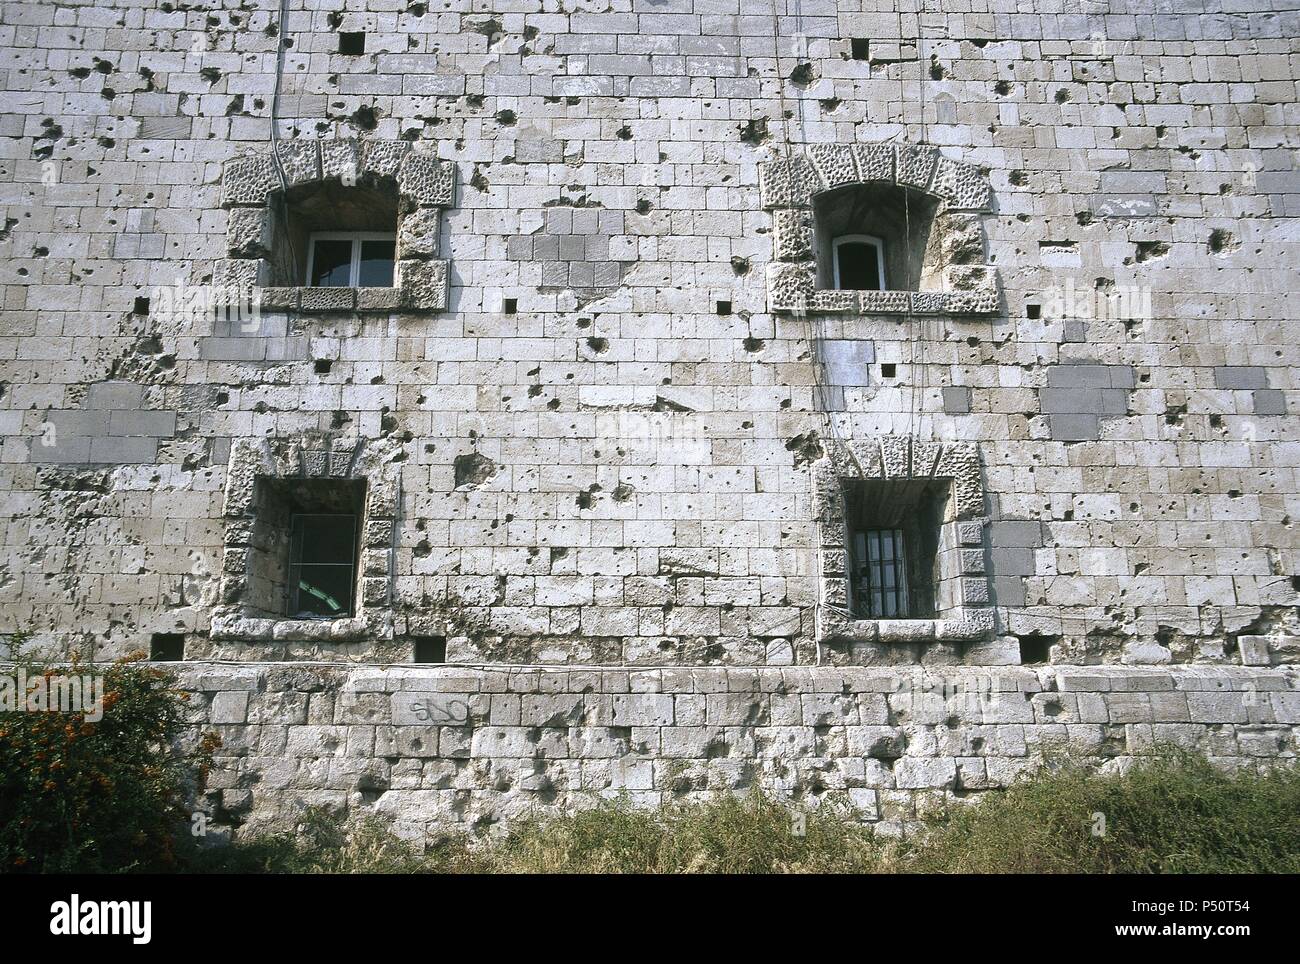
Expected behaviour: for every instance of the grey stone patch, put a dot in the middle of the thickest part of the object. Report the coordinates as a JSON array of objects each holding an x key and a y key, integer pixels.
[
  {"x": 1075, "y": 428},
  {"x": 1269, "y": 401},
  {"x": 1079, "y": 395},
  {"x": 956, "y": 400},
  {"x": 1240, "y": 377},
  {"x": 848, "y": 361},
  {"x": 427, "y": 181},
  {"x": 1074, "y": 331},
  {"x": 1133, "y": 206}
]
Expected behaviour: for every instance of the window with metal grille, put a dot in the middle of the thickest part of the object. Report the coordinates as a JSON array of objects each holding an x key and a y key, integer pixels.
[
  {"x": 322, "y": 565},
  {"x": 880, "y": 559},
  {"x": 893, "y": 541}
]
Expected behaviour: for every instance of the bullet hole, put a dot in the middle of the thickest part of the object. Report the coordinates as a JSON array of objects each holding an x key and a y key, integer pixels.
[
  {"x": 625, "y": 133},
  {"x": 222, "y": 398},
  {"x": 754, "y": 131},
  {"x": 1018, "y": 178},
  {"x": 753, "y": 344},
  {"x": 510, "y": 305},
  {"x": 506, "y": 118},
  {"x": 352, "y": 43},
  {"x": 104, "y": 66},
  {"x": 167, "y": 647},
  {"x": 643, "y": 206},
  {"x": 829, "y": 104},
  {"x": 324, "y": 366},
  {"x": 40, "y": 251},
  {"x": 722, "y": 307},
  {"x": 210, "y": 74},
  {"x": 474, "y": 101},
  {"x": 478, "y": 181},
  {"x": 807, "y": 448},
  {"x": 860, "y": 48},
  {"x": 140, "y": 307},
  {"x": 937, "y": 71},
  {"x": 1083, "y": 217},
  {"x": 473, "y": 469},
  {"x": 1002, "y": 88},
  {"x": 802, "y": 75},
  {"x": 1062, "y": 96},
  {"x": 1222, "y": 241},
  {"x": 888, "y": 370},
  {"x": 585, "y": 498},
  {"x": 740, "y": 265},
  {"x": 417, "y": 10},
  {"x": 1150, "y": 251},
  {"x": 623, "y": 492},
  {"x": 106, "y": 142},
  {"x": 81, "y": 73},
  {"x": 364, "y": 118},
  {"x": 598, "y": 345},
  {"x": 553, "y": 405}
]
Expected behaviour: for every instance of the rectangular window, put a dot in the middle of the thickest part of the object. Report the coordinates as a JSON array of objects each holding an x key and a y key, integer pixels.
[
  {"x": 894, "y": 531},
  {"x": 859, "y": 263},
  {"x": 322, "y": 565},
  {"x": 351, "y": 260},
  {"x": 880, "y": 559}
]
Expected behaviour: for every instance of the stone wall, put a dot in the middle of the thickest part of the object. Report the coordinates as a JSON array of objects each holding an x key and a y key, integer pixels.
[
  {"x": 604, "y": 403},
  {"x": 435, "y": 749}
]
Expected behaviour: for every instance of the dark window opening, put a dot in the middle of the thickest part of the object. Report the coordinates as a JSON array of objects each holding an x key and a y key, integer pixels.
[
  {"x": 894, "y": 533},
  {"x": 351, "y": 260},
  {"x": 888, "y": 370},
  {"x": 723, "y": 307},
  {"x": 860, "y": 48},
  {"x": 510, "y": 305},
  {"x": 141, "y": 306},
  {"x": 306, "y": 547},
  {"x": 167, "y": 647},
  {"x": 859, "y": 263},
  {"x": 1033, "y": 311},
  {"x": 353, "y": 44},
  {"x": 324, "y": 366},
  {"x": 333, "y": 235},
  {"x": 430, "y": 649},
  {"x": 1035, "y": 649},
  {"x": 875, "y": 237},
  {"x": 322, "y": 565}
]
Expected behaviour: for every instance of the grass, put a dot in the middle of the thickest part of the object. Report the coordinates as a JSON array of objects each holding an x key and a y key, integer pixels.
[{"x": 1172, "y": 813}]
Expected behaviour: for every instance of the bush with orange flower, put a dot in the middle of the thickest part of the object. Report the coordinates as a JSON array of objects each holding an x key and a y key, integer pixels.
[{"x": 105, "y": 796}]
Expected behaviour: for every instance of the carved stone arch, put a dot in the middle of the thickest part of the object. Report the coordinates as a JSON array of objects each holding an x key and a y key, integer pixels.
[
  {"x": 422, "y": 186},
  {"x": 965, "y": 615},
  {"x": 959, "y": 282}
]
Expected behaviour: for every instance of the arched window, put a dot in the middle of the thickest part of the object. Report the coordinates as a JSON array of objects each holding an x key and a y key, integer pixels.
[{"x": 859, "y": 263}]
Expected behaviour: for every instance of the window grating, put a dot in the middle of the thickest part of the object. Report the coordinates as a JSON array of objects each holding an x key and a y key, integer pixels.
[{"x": 881, "y": 570}]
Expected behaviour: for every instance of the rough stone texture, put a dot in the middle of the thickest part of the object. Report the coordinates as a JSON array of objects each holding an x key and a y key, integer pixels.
[
  {"x": 462, "y": 748},
  {"x": 653, "y": 499}
]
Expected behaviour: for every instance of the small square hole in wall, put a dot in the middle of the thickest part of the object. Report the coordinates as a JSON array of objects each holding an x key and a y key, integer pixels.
[
  {"x": 859, "y": 46},
  {"x": 167, "y": 647},
  {"x": 510, "y": 305},
  {"x": 1035, "y": 649},
  {"x": 430, "y": 649},
  {"x": 723, "y": 307},
  {"x": 888, "y": 370},
  {"x": 141, "y": 306},
  {"x": 1033, "y": 311},
  {"x": 323, "y": 366},
  {"x": 352, "y": 44}
]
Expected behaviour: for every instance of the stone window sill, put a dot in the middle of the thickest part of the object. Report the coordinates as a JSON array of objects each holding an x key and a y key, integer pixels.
[
  {"x": 965, "y": 625},
  {"x": 235, "y": 624}
]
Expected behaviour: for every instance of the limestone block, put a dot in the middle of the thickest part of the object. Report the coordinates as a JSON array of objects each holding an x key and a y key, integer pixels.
[
  {"x": 426, "y": 181},
  {"x": 884, "y": 302},
  {"x": 792, "y": 234},
  {"x": 964, "y": 186},
  {"x": 300, "y": 161},
  {"x": 789, "y": 287},
  {"x": 788, "y": 183},
  {"x": 248, "y": 180},
  {"x": 913, "y": 164},
  {"x": 327, "y": 299},
  {"x": 424, "y": 284},
  {"x": 248, "y": 232},
  {"x": 383, "y": 158},
  {"x": 418, "y": 236},
  {"x": 835, "y": 163},
  {"x": 340, "y": 159},
  {"x": 875, "y": 162}
]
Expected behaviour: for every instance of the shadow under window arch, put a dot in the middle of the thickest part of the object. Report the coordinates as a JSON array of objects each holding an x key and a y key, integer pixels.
[{"x": 875, "y": 236}]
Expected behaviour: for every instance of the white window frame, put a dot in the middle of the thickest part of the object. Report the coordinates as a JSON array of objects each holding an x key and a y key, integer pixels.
[
  {"x": 859, "y": 239},
  {"x": 356, "y": 237}
]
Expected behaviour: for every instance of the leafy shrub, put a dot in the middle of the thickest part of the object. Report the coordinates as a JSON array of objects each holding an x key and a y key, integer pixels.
[
  {"x": 79, "y": 796},
  {"x": 1174, "y": 812}
]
